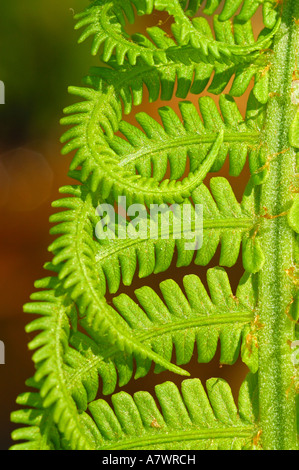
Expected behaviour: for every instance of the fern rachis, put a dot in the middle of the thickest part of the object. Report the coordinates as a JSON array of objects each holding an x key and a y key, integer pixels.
[{"x": 87, "y": 345}]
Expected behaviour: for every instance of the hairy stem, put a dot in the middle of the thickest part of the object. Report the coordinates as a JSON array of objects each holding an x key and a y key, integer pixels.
[{"x": 276, "y": 373}]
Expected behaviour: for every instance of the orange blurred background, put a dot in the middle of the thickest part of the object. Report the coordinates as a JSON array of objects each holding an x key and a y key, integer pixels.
[{"x": 39, "y": 58}]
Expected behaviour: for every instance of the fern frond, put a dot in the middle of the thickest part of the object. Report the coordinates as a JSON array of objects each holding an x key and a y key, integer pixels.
[
  {"x": 105, "y": 21},
  {"x": 107, "y": 261},
  {"x": 38, "y": 430},
  {"x": 113, "y": 162},
  {"x": 50, "y": 348},
  {"x": 122, "y": 181},
  {"x": 158, "y": 325},
  {"x": 50, "y": 345},
  {"x": 186, "y": 64},
  {"x": 184, "y": 71},
  {"x": 69, "y": 376},
  {"x": 179, "y": 322},
  {"x": 197, "y": 32},
  {"x": 193, "y": 138},
  {"x": 189, "y": 419},
  {"x": 201, "y": 319},
  {"x": 57, "y": 315},
  {"x": 86, "y": 344},
  {"x": 86, "y": 266},
  {"x": 230, "y": 8},
  {"x": 189, "y": 65}
]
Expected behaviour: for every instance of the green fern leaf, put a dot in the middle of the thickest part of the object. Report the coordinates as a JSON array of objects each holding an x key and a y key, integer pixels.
[
  {"x": 203, "y": 321},
  {"x": 192, "y": 419},
  {"x": 113, "y": 162},
  {"x": 160, "y": 326},
  {"x": 70, "y": 378},
  {"x": 86, "y": 344},
  {"x": 105, "y": 21},
  {"x": 118, "y": 258},
  {"x": 55, "y": 309},
  {"x": 189, "y": 418},
  {"x": 195, "y": 31},
  {"x": 38, "y": 431}
]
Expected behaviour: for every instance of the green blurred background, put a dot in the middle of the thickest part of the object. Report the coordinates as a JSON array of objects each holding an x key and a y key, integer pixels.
[{"x": 39, "y": 58}]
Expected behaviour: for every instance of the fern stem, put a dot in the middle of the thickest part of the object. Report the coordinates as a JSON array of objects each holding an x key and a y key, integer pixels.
[
  {"x": 276, "y": 373},
  {"x": 238, "y": 318}
]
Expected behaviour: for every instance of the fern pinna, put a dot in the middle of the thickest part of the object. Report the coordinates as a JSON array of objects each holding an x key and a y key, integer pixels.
[{"x": 85, "y": 345}]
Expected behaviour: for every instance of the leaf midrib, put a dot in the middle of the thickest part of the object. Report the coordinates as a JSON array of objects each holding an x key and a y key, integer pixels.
[
  {"x": 216, "y": 319},
  {"x": 100, "y": 301},
  {"x": 187, "y": 141},
  {"x": 236, "y": 49},
  {"x": 199, "y": 434},
  {"x": 242, "y": 317},
  {"x": 242, "y": 223}
]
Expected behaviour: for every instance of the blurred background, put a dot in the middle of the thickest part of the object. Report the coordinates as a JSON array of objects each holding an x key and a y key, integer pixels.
[{"x": 39, "y": 59}]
